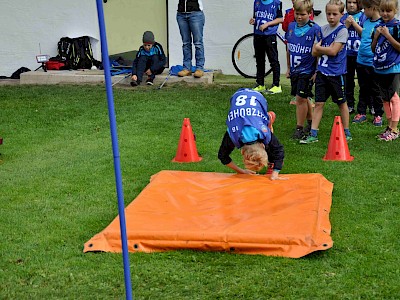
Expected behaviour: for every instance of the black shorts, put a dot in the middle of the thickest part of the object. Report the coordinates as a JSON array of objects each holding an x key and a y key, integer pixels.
[
  {"x": 387, "y": 85},
  {"x": 301, "y": 85},
  {"x": 330, "y": 86}
]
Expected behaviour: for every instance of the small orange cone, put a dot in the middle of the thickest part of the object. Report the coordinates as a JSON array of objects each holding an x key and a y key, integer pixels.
[
  {"x": 337, "y": 147},
  {"x": 187, "y": 151}
]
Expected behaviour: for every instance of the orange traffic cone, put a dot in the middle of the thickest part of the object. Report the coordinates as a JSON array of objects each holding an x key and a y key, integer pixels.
[
  {"x": 337, "y": 147},
  {"x": 187, "y": 151}
]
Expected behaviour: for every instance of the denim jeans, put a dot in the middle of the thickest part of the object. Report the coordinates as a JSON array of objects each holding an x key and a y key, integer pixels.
[{"x": 191, "y": 28}]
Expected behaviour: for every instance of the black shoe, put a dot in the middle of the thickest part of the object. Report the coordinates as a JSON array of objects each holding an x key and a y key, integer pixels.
[
  {"x": 298, "y": 134},
  {"x": 149, "y": 81},
  {"x": 134, "y": 83},
  {"x": 351, "y": 110},
  {"x": 307, "y": 129}
]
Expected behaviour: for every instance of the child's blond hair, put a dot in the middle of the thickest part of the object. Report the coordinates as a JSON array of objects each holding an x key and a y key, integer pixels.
[
  {"x": 337, "y": 3},
  {"x": 254, "y": 156},
  {"x": 389, "y": 5},
  {"x": 300, "y": 5}
]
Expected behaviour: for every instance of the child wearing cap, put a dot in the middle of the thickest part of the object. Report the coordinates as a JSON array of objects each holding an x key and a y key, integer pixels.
[{"x": 150, "y": 60}]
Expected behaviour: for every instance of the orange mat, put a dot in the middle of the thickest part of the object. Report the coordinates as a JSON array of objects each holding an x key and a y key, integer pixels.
[{"x": 225, "y": 212}]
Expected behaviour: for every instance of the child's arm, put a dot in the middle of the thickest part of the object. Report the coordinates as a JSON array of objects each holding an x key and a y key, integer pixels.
[
  {"x": 351, "y": 22},
  {"x": 332, "y": 50},
  {"x": 375, "y": 39},
  {"x": 385, "y": 32},
  {"x": 274, "y": 22},
  {"x": 288, "y": 64}
]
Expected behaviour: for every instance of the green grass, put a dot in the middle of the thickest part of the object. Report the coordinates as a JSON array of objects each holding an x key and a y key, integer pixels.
[{"x": 57, "y": 189}]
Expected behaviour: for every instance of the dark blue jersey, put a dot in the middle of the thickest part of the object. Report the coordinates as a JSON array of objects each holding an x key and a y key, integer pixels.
[
  {"x": 385, "y": 56},
  {"x": 333, "y": 65},
  {"x": 266, "y": 11},
  {"x": 248, "y": 108},
  {"x": 354, "y": 40},
  {"x": 300, "y": 41}
]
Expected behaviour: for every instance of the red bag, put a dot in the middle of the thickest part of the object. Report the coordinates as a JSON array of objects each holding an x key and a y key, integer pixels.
[{"x": 54, "y": 65}]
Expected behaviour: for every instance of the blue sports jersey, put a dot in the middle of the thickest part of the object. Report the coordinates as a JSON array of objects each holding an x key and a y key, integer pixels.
[
  {"x": 266, "y": 11},
  {"x": 353, "y": 42},
  {"x": 248, "y": 108},
  {"x": 300, "y": 41},
  {"x": 385, "y": 56},
  {"x": 365, "y": 55},
  {"x": 333, "y": 65}
]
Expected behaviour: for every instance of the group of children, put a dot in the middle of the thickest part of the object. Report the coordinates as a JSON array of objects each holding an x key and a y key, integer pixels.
[{"x": 365, "y": 40}]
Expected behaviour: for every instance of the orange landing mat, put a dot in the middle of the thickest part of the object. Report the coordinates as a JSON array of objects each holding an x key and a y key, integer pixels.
[{"x": 225, "y": 212}]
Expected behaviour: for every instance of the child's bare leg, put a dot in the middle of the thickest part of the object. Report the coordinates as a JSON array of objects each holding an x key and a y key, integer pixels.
[
  {"x": 301, "y": 110},
  {"x": 344, "y": 112},
  {"x": 395, "y": 106},
  {"x": 309, "y": 110},
  {"x": 317, "y": 116}
]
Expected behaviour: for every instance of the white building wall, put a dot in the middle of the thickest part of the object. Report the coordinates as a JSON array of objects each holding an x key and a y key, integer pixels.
[
  {"x": 27, "y": 23},
  {"x": 226, "y": 22}
]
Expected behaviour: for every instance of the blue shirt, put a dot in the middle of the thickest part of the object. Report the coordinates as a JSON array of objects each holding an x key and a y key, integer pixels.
[
  {"x": 365, "y": 55},
  {"x": 300, "y": 41},
  {"x": 333, "y": 65},
  {"x": 353, "y": 42},
  {"x": 266, "y": 11},
  {"x": 386, "y": 57},
  {"x": 248, "y": 109}
]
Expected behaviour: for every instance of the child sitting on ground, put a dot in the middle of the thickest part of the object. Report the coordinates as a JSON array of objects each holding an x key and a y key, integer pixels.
[
  {"x": 249, "y": 129},
  {"x": 150, "y": 60}
]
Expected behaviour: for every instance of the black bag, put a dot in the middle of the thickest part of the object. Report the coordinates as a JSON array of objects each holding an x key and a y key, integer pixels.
[
  {"x": 17, "y": 74},
  {"x": 65, "y": 48},
  {"x": 83, "y": 54}
]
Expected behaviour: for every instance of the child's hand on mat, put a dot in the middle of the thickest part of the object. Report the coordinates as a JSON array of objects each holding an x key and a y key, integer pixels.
[
  {"x": 275, "y": 176},
  {"x": 245, "y": 171}
]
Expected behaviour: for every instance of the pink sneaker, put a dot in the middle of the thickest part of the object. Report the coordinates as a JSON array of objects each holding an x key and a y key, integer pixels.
[{"x": 390, "y": 136}]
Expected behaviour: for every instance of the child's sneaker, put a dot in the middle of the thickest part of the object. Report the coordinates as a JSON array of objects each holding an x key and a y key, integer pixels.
[
  {"x": 377, "y": 121},
  {"x": 349, "y": 138},
  {"x": 184, "y": 73},
  {"x": 293, "y": 101},
  {"x": 309, "y": 140},
  {"x": 385, "y": 132},
  {"x": 275, "y": 90},
  {"x": 134, "y": 83},
  {"x": 351, "y": 110},
  {"x": 359, "y": 118},
  {"x": 149, "y": 81},
  {"x": 259, "y": 88},
  {"x": 298, "y": 134},
  {"x": 390, "y": 136},
  {"x": 198, "y": 73}
]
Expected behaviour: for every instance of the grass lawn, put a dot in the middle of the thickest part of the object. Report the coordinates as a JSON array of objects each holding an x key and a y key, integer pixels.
[{"x": 57, "y": 189}]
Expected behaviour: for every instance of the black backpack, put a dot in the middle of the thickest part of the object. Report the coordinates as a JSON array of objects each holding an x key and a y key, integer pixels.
[
  {"x": 65, "y": 48},
  {"x": 83, "y": 54}
]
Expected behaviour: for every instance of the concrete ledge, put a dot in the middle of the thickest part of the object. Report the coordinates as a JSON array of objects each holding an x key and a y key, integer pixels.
[{"x": 97, "y": 77}]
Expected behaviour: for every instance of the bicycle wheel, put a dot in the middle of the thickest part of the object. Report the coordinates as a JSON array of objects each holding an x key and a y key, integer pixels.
[{"x": 244, "y": 59}]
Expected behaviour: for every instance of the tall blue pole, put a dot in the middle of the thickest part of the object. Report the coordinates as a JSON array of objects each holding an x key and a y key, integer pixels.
[{"x": 114, "y": 139}]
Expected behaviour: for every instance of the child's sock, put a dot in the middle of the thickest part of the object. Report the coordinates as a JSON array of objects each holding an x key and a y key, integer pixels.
[
  {"x": 314, "y": 132},
  {"x": 347, "y": 132}
]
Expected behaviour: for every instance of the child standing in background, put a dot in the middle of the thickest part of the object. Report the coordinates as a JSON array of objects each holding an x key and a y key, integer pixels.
[
  {"x": 365, "y": 70},
  {"x": 353, "y": 20},
  {"x": 386, "y": 48},
  {"x": 267, "y": 15},
  {"x": 289, "y": 17},
  {"x": 301, "y": 37},
  {"x": 331, "y": 70}
]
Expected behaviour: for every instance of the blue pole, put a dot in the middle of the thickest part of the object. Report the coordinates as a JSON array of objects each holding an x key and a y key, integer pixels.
[{"x": 114, "y": 139}]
